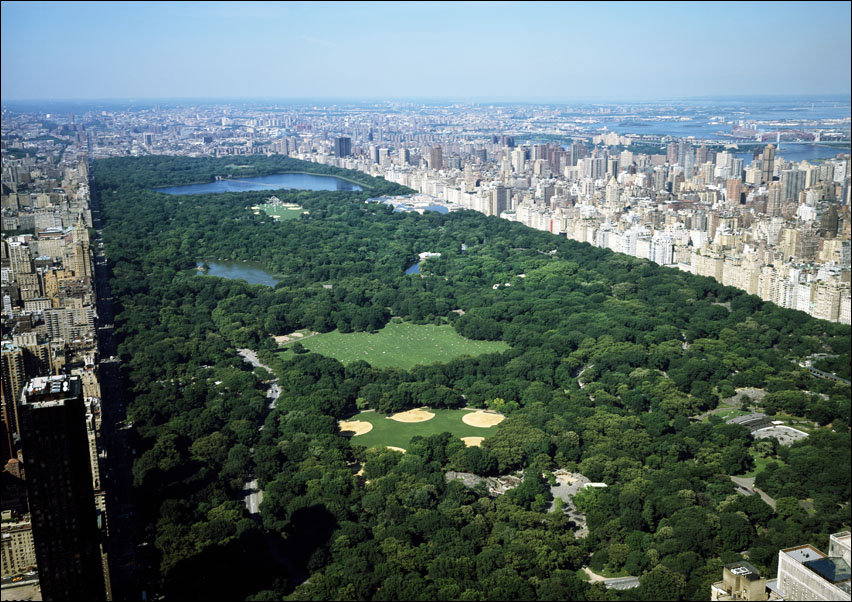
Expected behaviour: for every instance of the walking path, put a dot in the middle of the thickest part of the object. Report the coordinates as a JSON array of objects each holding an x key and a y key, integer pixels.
[
  {"x": 254, "y": 496},
  {"x": 613, "y": 582},
  {"x": 747, "y": 483}
]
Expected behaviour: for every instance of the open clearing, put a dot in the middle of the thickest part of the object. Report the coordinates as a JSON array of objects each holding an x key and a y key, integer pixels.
[
  {"x": 391, "y": 433},
  {"x": 282, "y": 211},
  {"x": 400, "y": 345}
]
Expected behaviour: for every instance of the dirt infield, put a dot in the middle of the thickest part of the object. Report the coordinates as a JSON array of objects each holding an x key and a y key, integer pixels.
[
  {"x": 359, "y": 427},
  {"x": 473, "y": 441},
  {"x": 483, "y": 419},
  {"x": 399, "y": 449},
  {"x": 412, "y": 416}
]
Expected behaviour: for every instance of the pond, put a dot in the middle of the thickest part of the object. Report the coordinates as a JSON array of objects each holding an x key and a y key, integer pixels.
[
  {"x": 250, "y": 271},
  {"x": 297, "y": 181}
]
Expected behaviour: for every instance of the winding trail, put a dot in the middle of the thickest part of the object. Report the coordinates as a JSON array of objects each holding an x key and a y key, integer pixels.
[{"x": 254, "y": 496}]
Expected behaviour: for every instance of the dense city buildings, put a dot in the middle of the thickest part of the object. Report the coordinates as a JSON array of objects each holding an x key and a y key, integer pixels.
[{"x": 54, "y": 499}]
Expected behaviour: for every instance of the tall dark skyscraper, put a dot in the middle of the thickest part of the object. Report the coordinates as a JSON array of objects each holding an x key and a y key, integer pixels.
[
  {"x": 343, "y": 146},
  {"x": 768, "y": 163},
  {"x": 59, "y": 485}
]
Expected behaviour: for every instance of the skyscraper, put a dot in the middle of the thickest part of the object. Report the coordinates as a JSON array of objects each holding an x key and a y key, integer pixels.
[
  {"x": 436, "y": 160},
  {"x": 59, "y": 485},
  {"x": 768, "y": 162},
  {"x": 343, "y": 146}
]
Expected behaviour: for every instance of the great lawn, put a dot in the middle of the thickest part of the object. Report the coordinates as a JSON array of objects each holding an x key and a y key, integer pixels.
[
  {"x": 399, "y": 345},
  {"x": 398, "y": 434}
]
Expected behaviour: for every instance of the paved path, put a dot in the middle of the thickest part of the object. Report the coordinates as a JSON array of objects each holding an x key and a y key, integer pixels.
[
  {"x": 747, "y": 483},
  {"x": 622, "y": 583},
  {"x": 612, "y": 583},
  {"x": 254, "y": 496}
]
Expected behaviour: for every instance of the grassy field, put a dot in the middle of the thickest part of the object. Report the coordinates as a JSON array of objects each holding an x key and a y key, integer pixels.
[
  {"x": 730, "y": 413},
  {"x": 400, "y": 345},
  {"x": 279, "y": 212},
  {"x": 399, "y": 434}
]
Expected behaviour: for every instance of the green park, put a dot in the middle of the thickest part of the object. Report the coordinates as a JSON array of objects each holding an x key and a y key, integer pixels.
[{"x": 398, "y": 345}]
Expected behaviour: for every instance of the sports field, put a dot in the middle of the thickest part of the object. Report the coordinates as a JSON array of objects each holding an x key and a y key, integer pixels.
[
  {"x": 388, "y": 432},
  {"x": 400, "y": 345}
]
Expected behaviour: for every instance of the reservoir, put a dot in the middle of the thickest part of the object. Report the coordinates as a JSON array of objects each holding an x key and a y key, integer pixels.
[
  {"x": 250, "y": 271},
  {"x": 292, "y": 181}
]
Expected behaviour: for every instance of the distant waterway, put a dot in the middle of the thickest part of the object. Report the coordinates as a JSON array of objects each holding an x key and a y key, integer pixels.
[
  {"x": 250, "y": 271},
  {"x": 289, "y": 181},
  {"x": 797, "y": 151}
]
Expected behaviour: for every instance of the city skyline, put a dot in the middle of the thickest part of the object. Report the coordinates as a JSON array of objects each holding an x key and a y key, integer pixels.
[{"x": 472, "y": 51}]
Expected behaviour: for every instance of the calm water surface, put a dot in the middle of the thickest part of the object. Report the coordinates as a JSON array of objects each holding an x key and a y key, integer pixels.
[
  {"x": 298, "y": 181},
  {"x": 250, "y": 271},
  {"x": 794, "y": 151}
]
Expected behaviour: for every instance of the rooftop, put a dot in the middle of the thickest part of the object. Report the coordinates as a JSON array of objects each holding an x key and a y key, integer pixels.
[
  {"x": 803, "y": 554},
  {"x": 44, "y": 391},
  {"x": 744, "y": 569}
]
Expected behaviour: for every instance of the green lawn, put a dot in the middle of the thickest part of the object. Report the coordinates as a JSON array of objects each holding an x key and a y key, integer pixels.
[
  {"x": 400, "y": 345},
  {"x": 760, "y": 462},
  {"x": 280, "y": 212},
  {"x": 730, "y": 413},
  {"x": 399, "y": 434}
]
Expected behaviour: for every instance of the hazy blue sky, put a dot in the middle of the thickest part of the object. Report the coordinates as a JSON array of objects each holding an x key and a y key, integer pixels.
[{"x": 487, "y": 50}]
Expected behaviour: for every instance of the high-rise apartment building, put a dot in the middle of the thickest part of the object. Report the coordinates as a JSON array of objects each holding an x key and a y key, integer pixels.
[
  {"x": 436, "y": 158},
  {"x": 501, "y": 200},
  {"x": 59, "y": 485},
  {"x": 343, "y": 146}
]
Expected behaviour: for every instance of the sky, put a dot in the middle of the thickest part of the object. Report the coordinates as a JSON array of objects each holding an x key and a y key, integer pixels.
[{"x": 617, "y": 51}]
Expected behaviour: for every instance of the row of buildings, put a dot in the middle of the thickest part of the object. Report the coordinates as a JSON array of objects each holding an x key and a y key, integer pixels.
[{"x": 54, "y": 519}]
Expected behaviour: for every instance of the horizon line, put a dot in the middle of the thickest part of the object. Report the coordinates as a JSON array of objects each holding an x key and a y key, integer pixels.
[{"x": 379, "y": 99}]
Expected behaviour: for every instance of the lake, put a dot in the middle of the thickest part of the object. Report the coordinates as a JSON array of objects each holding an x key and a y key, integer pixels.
[
  {"x": 250, "y": 271},
  {"x": 297, "y": 181}
]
